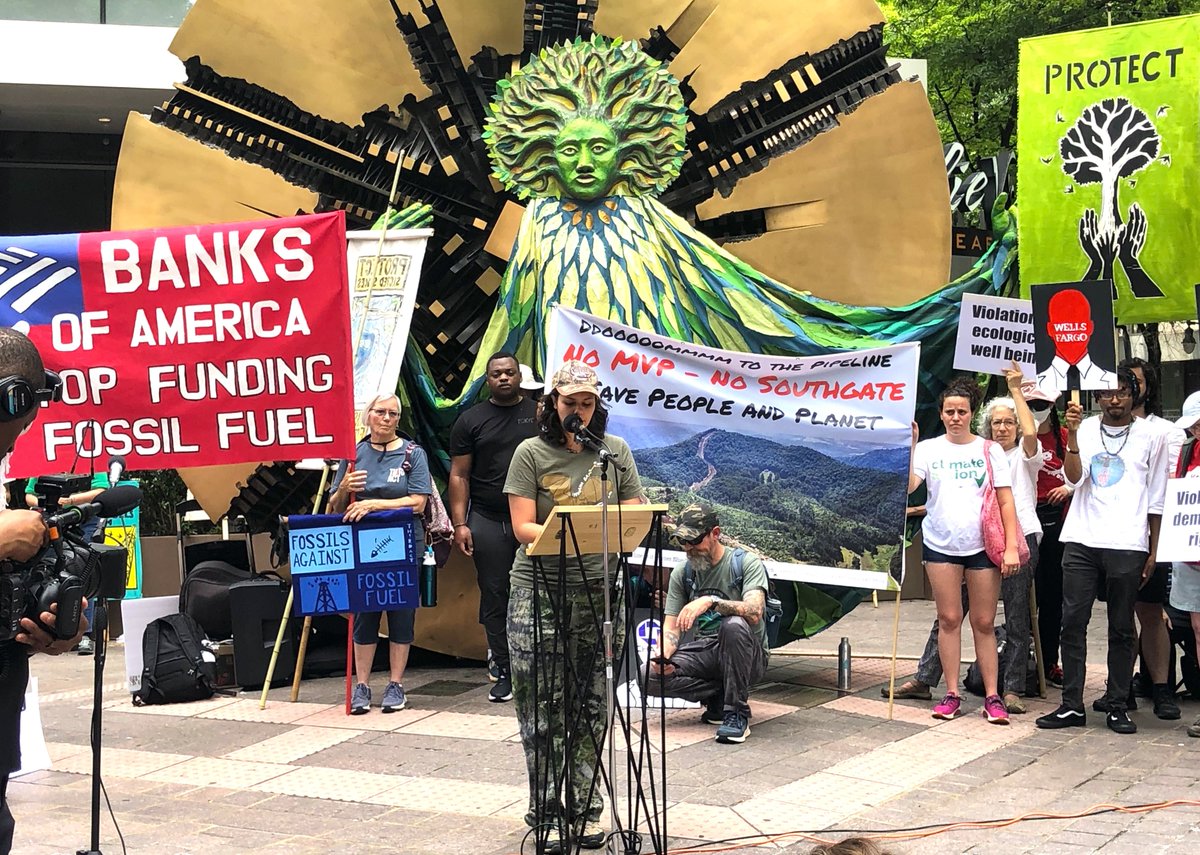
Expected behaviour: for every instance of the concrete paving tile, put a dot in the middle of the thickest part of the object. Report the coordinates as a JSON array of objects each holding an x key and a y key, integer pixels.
[
  {"x": 704, "y": 822},
  {"x": 879, "y": 709},
  {"x": 125, "y": 705},
  {"x": 825, "y": 788},
  {"x": 62, "y": 750},
  {"x": 276, "y": 712},
  {"x": 775, "y": 817},
  {"x": 493, "y": 728},
  {"x": 335, "y": 784},
  {"x": 373, "y": 721},
  {"x": 120, "y": 762},
  {"x": 217, "y": 772},
  {"x": 292, "y": 745},
  {"x": 451, "y": 796}
]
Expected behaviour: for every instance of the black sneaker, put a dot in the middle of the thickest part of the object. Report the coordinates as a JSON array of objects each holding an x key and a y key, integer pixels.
[
  {"x": 1064, "y": 716},
  {"x": 1118, "y": 721},
  {"x": 714, "y": 711},
  {"x": 1164, "y": 703},
  {"x": 1103, "y": 704},
  {"x": 593, "y": 835},
  {"x": 735, "y": 728},
  {"x": 502, "y": 689}
]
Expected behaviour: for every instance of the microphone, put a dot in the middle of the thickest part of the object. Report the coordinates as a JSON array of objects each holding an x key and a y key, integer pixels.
[
  {"x": 116, "y": 469},
  {"x": 113, "y": 502},
  {"x": 587, "y": 439}
]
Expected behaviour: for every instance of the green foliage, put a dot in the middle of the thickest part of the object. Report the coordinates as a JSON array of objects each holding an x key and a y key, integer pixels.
[{"x": 972, "y": 47}]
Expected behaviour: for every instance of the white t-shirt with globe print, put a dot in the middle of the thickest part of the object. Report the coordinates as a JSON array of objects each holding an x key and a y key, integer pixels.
[{"x": 954, "y": 475}]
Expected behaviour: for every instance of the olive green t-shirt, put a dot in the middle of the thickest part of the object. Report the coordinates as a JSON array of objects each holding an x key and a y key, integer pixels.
[
  {"x": 718, "y": 581},
  {"x": 551, "y": 475}
]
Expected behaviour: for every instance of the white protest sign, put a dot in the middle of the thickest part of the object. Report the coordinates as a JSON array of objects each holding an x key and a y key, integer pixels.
[
  {"x": 1179, "y": 537},
  {"x": 992, "y": 332}
]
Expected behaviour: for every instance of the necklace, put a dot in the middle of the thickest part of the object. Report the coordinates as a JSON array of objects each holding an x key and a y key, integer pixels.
[{"x": 1105, "y": 436}]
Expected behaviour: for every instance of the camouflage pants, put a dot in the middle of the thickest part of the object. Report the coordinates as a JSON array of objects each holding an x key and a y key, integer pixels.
[{"x": 557, "y": 648}]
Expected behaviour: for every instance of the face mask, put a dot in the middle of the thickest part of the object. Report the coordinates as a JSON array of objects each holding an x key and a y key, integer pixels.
[{"x": 1040, "y": 417}]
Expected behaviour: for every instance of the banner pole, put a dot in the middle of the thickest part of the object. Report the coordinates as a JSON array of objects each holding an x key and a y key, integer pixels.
[
  {"x": 1038, "y": 655},
  {"x": 362, "y": 324},
  {"x": 287, "y": 610},
  {"x": 349, "y": 657},
  {"x": 302, "y": 649},
  {"x": 895, "y": 644}
]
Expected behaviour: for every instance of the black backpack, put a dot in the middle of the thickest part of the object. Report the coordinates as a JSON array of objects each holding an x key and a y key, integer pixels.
[
  {"x": 773, "y": 608},
  {"x": 204, "y": 596},
  {"x": 174, "y": 669}
]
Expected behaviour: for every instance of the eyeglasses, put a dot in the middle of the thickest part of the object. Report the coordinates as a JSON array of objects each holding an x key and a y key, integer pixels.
[
  {"x": 1113, "y": 393},
  {"x": 1004, "y": 423},
  {"x": 695, "y": 541},
  {"x": 386, "y": 414}
]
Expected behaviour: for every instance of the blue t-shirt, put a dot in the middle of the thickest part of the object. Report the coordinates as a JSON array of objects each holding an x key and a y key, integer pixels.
[{"x": 386, "y": 478}]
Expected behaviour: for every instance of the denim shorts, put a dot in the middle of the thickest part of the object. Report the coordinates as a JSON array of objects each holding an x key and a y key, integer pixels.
[{"x": 977, "y": 561}]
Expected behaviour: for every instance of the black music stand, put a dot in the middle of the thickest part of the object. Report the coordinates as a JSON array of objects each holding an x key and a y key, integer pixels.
[{"x": 581, "y": 531}]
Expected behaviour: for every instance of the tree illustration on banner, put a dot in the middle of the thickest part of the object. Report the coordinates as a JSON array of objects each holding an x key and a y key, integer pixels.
[{"x": 1109, "y": 143}]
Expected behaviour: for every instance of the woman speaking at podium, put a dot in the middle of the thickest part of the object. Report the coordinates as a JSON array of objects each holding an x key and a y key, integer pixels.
[{"x": 549, "y": 640}]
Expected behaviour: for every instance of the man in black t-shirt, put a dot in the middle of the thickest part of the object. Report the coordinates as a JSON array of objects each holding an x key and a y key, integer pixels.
[
  {"x": 24, "y": 383},
  {"x": 481, "y": 447}
]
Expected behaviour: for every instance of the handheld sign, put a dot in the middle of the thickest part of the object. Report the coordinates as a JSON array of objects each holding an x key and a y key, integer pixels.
[
  {"x": 364, "y": 566},
  {"x": 992, "y": 333},
  {"x": 1075, "y": 339},
  {"x": 1179, "y": 537}
]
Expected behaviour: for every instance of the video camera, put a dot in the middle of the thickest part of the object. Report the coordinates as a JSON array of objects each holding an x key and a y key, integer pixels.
[{"x": 69, "y": 569}]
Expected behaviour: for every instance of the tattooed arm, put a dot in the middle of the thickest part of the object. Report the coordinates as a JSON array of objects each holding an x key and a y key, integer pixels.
[{"x": 749, "y": 607}]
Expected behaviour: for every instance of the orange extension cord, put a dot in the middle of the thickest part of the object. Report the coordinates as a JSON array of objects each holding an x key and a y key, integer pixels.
[{"x": 933, "y": 830}]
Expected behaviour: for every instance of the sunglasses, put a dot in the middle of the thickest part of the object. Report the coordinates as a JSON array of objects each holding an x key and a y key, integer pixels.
[
  {"x": 695, "y": 541},
  {"x": 1040, "y": 406}
]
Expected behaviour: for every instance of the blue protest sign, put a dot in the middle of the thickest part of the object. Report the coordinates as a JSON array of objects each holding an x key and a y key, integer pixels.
[{"x": 364, "y": 566}]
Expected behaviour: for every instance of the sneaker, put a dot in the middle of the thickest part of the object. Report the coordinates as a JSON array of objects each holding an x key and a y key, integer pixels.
[
  {"x": 909, "y": 690},
  {"x": 1064, "y": 716},
  {"x": 1164, "y": 703},
  {"x": 360, "y": 701},
  {"x": 1103, "y": 704},
  {"x": 1055, "y": 677},
  {"x": 1194, "y": 728},
  {"x": 502, "y": 691},
  {"x": 734, "y": 728},
  {"x": 714, "y": 711},
  {"x": 493, "y": 668},
  {"x": 394, "y": 698},
  {"x": 593, "y": 835},
  {"x": 87, "y": 647},
  {"x": 949, "y": 708},
  {"x": 1118, "y": 721},
  {"x": 1014, "y": 704},
  {"x": 994, "y": 710}
]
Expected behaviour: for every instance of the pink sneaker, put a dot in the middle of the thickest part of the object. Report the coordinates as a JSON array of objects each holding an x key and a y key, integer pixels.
[
  {"x": 949, "y": 708},
  {"x": 994, "y": 710}
]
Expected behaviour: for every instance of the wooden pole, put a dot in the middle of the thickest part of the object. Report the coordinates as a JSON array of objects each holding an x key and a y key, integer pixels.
[
  {"x": 349, "y": 657},
  {"x": 287, "y": 610},
  {"x": 895, "y": 644},
  {"x": 302, "y": 650},
  {"x": 1037, "y": 638}
]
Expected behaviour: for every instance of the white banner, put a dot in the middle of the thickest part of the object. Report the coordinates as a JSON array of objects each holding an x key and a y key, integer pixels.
[
  {"x": 1179, "y": 536},
  {"x": 383, "y": 290},
  {"x": 992, "y": 332},
  {"x": 805, "y": 459}
]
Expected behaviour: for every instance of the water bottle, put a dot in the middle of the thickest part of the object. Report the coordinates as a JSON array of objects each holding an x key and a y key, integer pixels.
[
  {"x": 844, "y": 665},
  {"x": 428, "y": 579}
]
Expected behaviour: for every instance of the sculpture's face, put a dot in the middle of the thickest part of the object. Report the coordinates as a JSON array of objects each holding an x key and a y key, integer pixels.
[{"x": 586, "y": 153}]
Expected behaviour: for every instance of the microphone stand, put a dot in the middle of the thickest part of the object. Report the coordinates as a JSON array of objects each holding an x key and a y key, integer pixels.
[
  {"x": 587, "y": 440},
  {"x": 100, "y": 641}
]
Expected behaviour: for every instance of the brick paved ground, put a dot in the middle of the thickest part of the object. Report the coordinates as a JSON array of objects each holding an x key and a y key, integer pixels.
[{"x": 447, "y": 775}]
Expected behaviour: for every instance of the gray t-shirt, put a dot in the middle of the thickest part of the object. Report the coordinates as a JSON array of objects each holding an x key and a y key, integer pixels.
[
  {"x": 387, "y": 478},
  {"x": 551, "y": 475},
  {"x": 718, "y": 581}
]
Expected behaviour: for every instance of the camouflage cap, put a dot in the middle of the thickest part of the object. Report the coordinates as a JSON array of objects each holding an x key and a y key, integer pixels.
[
  {"x": 575, "y": 377},
  {"x": 694, "y": 521}
]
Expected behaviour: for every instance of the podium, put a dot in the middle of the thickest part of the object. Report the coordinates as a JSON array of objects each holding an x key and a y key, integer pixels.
[{"x": 576, "y": 633}]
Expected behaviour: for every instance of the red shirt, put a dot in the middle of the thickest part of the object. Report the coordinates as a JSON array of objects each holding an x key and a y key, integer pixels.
[{"x": 1051, "y": 475}]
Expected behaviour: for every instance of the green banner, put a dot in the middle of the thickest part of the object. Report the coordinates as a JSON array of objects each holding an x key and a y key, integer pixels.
[{"x": 1106, "y": 160}]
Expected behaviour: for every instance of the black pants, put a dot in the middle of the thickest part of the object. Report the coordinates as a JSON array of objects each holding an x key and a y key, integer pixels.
[
  {"x": 1049, "y": 583},
  {"x": 6, "y": 818},
  {"x": 726, "y": 664},
  {"x": 1086, "y": 571},
  {"x": 495, "y": 547}
]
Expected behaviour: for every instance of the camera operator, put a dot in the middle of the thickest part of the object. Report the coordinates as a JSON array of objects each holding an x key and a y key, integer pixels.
[{"x": 22, "y": 535}]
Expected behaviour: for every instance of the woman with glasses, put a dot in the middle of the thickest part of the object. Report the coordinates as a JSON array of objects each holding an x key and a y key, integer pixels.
[
  {"x": 389, "y": 472},
  {"x": 955, "y": 468},
  {"x": 1010, "y": 423}
]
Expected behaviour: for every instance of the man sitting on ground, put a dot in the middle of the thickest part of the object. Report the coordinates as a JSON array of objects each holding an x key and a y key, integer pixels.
[{"x": 721, "y": 594}]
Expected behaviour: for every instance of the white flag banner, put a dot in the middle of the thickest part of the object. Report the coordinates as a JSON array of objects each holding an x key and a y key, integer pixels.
[
  {"x": 383, "y": 294},
  {"x": 805, "y": 458}
]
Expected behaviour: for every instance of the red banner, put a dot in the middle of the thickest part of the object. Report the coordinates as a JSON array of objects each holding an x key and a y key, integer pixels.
[{"x": 190, "y": 346}]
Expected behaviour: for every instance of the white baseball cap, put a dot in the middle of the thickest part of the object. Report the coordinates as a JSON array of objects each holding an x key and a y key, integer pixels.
[
  {"x": 529, "y": 382},
  {"x": 1191, "y": 412}
]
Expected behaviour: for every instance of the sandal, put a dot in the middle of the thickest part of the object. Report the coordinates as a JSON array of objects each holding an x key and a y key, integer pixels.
[{"x": 913, "y": 690}]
